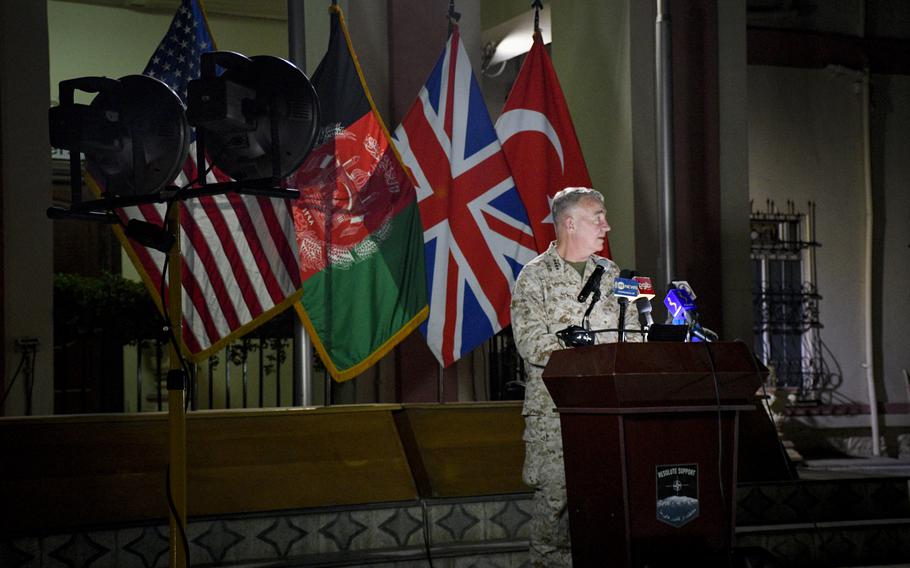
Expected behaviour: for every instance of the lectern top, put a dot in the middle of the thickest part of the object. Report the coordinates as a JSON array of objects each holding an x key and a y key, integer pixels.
[{"x": 653, "y": 374}]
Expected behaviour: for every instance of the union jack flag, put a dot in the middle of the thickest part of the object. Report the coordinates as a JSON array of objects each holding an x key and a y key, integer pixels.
[{"x": 476, "y": 230}]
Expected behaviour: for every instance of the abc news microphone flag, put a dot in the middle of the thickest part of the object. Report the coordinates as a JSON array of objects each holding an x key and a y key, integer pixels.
[
  {"x": 475, "y": 229},
  {"x": 238, "y": 266},
  {"x": 357, "y": 222},
  {"x": 539, "y": 141}
]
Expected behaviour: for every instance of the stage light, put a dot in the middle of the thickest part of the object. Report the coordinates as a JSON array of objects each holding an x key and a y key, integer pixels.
[
  {"x": 134, "y": 134},
  {"x": 258, "y": 119}
]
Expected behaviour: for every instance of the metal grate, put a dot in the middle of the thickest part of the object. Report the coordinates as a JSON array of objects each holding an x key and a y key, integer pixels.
[{"x": 786, "y": 300}]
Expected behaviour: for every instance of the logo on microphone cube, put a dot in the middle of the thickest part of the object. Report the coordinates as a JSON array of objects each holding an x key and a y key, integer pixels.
[
  {"x": 684, "y": 286},
  {"x": 625, "y": 288},
  {"x": 678, "y": 302},
  {"x": 645, "y": 287}
]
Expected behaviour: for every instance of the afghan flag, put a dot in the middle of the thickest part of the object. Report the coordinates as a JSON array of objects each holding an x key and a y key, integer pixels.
[
  {"x": 539, "y": 141},
  {"x": 358, "y": 226}
]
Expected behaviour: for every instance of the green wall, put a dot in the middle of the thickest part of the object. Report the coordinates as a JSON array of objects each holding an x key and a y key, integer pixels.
[
  {"x": 591, "y": 55},
  {"x": 499, "y": 11},
  {"x": 86, "y": 40}
]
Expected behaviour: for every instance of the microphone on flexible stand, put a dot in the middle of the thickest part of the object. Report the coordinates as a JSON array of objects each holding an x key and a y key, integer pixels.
[
  {"x": 684, "y": 285},
  {"x": 643, "y": 301},
  {"x": 625, "y": 288},
  {"x": 681, "y": 307},
  {"x": 593, "y": 282},
  {"x": 579, "y": 335}
]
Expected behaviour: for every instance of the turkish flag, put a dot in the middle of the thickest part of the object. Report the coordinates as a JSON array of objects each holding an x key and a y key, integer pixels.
[{"x": 539, "y": 142}]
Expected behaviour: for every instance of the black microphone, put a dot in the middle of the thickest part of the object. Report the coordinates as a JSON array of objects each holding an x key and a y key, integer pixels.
[
  {"x": 643, "y": 302},
  {"x": 680, "y": 302},
  {"x": 625, "y": 289},
  {"x": 593, "y": 282}
]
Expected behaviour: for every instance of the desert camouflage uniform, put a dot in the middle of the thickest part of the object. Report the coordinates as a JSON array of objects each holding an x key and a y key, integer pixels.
[{"x": 544, "y": 301}]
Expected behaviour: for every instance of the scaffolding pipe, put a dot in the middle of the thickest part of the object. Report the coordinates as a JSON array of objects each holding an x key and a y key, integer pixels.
[{"x": 302, "y": 380}]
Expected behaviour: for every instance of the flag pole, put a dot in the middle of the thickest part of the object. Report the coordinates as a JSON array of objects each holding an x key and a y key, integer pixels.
[
  {"x": 176, "y": 396},
  {"x": 440, "y": 385},
  {"x": 664, "y": 95},
  {"x": 303, "y": 348},
  {"x": 453, "y": 16}
]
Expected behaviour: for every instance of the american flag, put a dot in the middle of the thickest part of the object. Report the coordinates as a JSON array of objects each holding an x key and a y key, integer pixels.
[
  {"x": 239, "y": 263},
  {"x": 476, "y": 230}
]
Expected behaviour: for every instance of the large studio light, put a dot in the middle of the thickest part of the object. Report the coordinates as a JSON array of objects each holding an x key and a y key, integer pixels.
[
  {"x": 258, "y": 119},
  {"x": 134, "y": 134}
]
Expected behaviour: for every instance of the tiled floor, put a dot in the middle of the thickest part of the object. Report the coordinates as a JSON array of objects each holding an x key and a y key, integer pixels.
[
  {"x": 465, "y": 532},
  {"x": 840, "y": 513}
]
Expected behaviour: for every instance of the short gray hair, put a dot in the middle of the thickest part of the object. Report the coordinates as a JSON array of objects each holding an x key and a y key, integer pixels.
[{"x": 567, "y": 198}]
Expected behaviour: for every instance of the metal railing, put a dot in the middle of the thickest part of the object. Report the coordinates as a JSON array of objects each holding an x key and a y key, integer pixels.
[
  {"x": 110, "y": 357},
  {"x": 254, "y": 372}
]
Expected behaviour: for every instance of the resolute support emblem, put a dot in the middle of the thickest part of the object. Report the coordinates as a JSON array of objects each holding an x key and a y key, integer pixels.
[{"x": 677, "y": 493}]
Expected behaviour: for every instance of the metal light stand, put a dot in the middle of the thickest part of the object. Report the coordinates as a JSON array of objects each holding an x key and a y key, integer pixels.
[{"x": 176, "y": 397}]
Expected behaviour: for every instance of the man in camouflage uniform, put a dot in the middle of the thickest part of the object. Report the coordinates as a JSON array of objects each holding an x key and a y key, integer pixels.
[{"x": 544, "y": 301}]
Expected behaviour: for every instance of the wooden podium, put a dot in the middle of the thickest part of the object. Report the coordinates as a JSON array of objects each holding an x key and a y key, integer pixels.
[{"x": 649, "y": 435}]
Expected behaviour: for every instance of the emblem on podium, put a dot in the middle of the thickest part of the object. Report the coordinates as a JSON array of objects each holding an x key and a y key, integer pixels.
[{"x": 677, "y": 493}]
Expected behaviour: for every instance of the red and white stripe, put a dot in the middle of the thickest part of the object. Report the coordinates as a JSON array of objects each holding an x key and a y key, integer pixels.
[{"x": 239, "y": 261}]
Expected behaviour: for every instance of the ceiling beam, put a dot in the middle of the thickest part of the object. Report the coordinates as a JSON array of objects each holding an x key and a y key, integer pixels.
[{"x": 817, "y": 50}]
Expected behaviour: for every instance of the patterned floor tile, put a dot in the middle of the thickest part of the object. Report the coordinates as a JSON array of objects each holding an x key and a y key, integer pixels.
[
  {"x": 885, "y": 545},
  {"x": 753, "y": 505},
  {"x": 217, "y": 540},
  {"x": 510, "y": 520},
  {"x": 84, "y": 550},
  {"x": 20, "y": 553},
  {"x": 145, "y": 547},
  {"x": 801, "y": 502},
  {"x": 282, "y": 535},
  {"x": 838, "y": 501},
  {"x": 797, "y": 547},
  {"x": 490, "y": 561},
  {"x": 890, "y": 498},
  {"x": 453, "y": 525},
  {"x": 340, "y": 530},
  {"x": 403, "y": 526}
]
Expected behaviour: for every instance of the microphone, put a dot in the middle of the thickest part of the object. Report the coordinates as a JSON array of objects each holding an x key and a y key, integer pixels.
[
  {"x": 625, "y": 289},
  {"x": 643, "y": 301},
  {"x": 593, "y": 282},
  {"x": 684, "y": 285},
  {"x": 576, "y": 336},
  {"x": 679, "y": 304}
]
